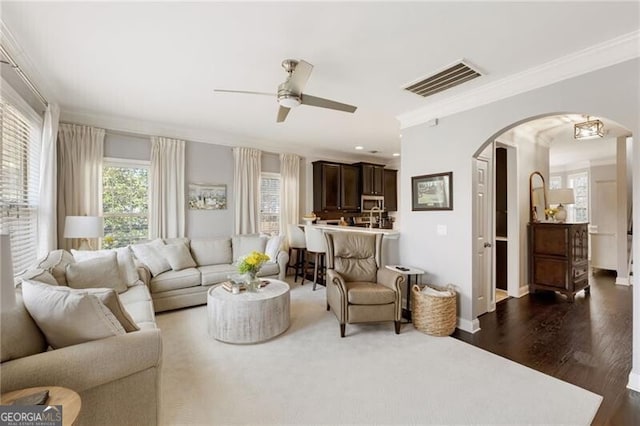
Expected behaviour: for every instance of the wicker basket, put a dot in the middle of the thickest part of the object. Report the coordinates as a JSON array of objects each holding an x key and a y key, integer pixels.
[{"x": 432, "y": 314}]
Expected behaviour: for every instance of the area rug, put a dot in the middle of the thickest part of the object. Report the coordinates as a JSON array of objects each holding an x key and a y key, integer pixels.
[{"x": 309, "y": 375}]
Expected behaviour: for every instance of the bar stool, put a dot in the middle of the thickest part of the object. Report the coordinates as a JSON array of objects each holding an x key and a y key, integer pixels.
[
  {"x": 297, "y": 242},
  {"x": 316, "y": 245}
]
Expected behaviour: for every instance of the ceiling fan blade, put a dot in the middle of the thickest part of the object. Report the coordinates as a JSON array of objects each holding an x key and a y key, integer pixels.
[
  {"x": 244, "y": 92},
  {"x": 299, "y": 77},
  {"x": 282, "y": 114},
  {"x": 326, "y": 103}
]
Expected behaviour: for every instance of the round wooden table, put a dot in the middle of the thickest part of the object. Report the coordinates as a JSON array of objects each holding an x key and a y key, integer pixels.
[
  {"x": 249, "y": 317},
  {"x": 70, "y": 400}
]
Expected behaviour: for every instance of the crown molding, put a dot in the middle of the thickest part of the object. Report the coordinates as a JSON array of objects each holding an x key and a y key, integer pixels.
[
  {"x": 610, "y": 52},
  {"x": 145, "y": 129}
]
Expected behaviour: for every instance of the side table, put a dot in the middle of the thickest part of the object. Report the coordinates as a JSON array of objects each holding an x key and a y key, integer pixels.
[
  {"x": 69, "y": 399},
  {"x": 409, "y": 271}
]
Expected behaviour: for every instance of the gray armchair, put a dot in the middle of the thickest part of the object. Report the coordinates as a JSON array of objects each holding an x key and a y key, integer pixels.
[{"x": 359, "y": 289}]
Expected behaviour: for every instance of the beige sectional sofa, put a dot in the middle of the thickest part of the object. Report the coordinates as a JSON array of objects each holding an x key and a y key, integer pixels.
[
  {"x": 214, "y": 260},
  {"x": 118, "y": 378}
]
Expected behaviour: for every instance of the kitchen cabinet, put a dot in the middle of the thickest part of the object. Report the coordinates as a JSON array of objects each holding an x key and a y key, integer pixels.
[
  {"x": 371, "y": 179},
  {"x": 390, "y": 190},
  {"x": 335, "y": 187},
  {"x": 558, "y": 257}
]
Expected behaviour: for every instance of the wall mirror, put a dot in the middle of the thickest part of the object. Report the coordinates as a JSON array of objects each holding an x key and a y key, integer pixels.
[{"x": 538, "y": 195}]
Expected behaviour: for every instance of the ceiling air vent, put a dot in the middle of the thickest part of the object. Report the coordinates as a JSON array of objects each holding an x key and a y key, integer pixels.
[{"x": 450, "y": 77}]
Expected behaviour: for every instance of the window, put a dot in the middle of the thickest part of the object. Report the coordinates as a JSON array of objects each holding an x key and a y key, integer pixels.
[
  {"x": 19, "y": 169},
  {"x": 555, "y": 182},
  {"x": 579, "y": 211},
  {"x": 125, "y": 202},
  {"x": 270, "y": 203}
]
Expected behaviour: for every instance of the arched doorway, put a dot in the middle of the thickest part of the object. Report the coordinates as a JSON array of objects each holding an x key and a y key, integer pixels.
[{"x": 526, "y": 144}]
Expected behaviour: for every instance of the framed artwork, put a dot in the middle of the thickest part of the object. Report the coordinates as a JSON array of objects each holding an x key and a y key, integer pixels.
[
  {"x": 432, "y": 192},
  {"x": 207, "y": 197}
]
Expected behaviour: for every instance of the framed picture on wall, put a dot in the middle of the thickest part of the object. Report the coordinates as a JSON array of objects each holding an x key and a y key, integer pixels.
[
  {"x": 432, "y": 192},
  {"x": 204, "y": 196}
]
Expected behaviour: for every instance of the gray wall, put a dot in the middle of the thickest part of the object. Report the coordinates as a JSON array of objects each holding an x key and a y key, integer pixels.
[{"x": 205, "y": 163}]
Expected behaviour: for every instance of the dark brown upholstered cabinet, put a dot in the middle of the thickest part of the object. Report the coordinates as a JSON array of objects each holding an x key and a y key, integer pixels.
[
  {"x": 335, "y": 187},
  {"x": 371, "y": 179},
  {"x": 391, "y": 190},
  {"x": 559, "y": 257}
]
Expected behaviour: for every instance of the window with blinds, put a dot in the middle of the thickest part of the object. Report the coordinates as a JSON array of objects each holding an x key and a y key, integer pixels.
[
  {"x": 19, "y": 167},
  {"x": 270, "y": 203}
]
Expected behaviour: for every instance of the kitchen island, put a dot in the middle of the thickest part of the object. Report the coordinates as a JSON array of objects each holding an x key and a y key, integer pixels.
[{"x": 390, "y": 246}]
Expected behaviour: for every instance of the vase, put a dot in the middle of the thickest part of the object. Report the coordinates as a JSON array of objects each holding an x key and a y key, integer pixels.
[{"x": 252, "y": 281}]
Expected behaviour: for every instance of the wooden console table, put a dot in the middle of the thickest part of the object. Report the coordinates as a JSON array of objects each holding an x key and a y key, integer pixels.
[{"x": 558, "y": 257}]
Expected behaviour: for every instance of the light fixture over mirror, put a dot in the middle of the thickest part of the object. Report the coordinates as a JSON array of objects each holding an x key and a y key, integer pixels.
[{"x": 589, "y": 129}]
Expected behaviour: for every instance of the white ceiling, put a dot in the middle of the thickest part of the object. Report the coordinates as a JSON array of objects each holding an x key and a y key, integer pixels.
[{"x": 122, "y": 64}]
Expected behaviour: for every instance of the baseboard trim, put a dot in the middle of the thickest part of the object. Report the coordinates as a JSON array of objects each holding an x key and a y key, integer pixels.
[
  {"x": 524, "y": 290},
  {"x": 634, "y": 381},
  {"x": 472, "y": 326},
  {"x": 623, "y": 281}
]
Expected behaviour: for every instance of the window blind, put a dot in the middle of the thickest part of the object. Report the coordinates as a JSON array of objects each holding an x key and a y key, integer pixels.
[
  {"x": 270, "y": 203},
  {"x": 19, "y": 168}
]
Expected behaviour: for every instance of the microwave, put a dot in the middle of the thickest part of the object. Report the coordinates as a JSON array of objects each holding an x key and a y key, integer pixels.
[{"x": 368, "y": 202}]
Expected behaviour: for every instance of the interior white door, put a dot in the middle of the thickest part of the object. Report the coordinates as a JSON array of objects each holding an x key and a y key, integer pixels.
[
  {"x": 604, "y": 215},
  {"x": 485, "y": 300}
]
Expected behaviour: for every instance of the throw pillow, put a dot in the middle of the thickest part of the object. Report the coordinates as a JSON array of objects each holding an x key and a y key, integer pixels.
[
  {"x": 67, "y": 317},
  {"x": 56, "y": 263},
  {"x": 38, "y": 274},
  {"x": 126, "y": 265},
  {"x": 178, "y": 256},
  {"x": 149, "y": 254},
  {"x": 245, "y": 244},
  {"x": 101, "y": 272},
  {"x": 111, "y": 300},
  {"x": 273, "y": 247}
]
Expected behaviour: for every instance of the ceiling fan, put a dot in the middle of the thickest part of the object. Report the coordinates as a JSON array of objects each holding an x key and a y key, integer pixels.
[{"x": 290, "y": 92}]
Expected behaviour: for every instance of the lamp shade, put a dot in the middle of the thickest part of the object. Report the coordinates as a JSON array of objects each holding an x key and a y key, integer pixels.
[
  {"x": 7, "y": 288},
  {"x": 561, "y": 196},
  {"x": 83, "y": 227}
]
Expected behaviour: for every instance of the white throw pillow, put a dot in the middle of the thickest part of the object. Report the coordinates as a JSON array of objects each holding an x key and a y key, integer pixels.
[
  {"x": 38, "y": 274},
  {"x": 112, "y": 301},
  {"x": 178, "y": 256},
  {"x": 150, "y": 254},
  {"x": 273, "y": 247},
  {"x": 56, "y": 262},
  {"x": 67, "y": 317},
  {"x": 101, "y": 272},
  {"x": 246, "y": 243},
  {"x": 126, "y": 265}
]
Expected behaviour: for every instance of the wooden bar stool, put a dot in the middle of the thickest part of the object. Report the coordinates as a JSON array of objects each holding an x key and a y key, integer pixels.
[
  {"x": 316, "y": 245},
  {"x": 296, "y": 242}
]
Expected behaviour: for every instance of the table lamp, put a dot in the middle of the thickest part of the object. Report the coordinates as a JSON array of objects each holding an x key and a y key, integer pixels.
[
  {"x": 561, "y": 196},
  {"x": 84, "y": 227},
  {"x": 7, "y": 287}
]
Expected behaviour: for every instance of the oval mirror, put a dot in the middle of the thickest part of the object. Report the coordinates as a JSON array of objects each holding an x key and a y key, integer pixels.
[{"x": 538, "y": 199}]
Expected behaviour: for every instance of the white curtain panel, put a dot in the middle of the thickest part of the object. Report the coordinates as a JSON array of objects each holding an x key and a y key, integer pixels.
[
  {"x": 80, "y": 153},
  {"x": 166, "y": 188},
  {"x": 246, "y": 183},
  {"x": 289, "y": 193},
  {"x": 47, "y": 210}
]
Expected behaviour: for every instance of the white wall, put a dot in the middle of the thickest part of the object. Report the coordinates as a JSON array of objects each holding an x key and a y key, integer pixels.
[{"x": 450, "y": 146}]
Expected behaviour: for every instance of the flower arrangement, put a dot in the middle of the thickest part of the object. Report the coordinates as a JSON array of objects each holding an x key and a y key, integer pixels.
[
  {"x": 251, "y": 263},
  {"x": 551, "y": 212}
]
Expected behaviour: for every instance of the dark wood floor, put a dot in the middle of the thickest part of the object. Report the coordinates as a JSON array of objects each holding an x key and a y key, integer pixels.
[{"x": 586, "y": 343}]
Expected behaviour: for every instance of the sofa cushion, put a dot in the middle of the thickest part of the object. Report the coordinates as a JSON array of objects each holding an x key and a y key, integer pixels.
[
  {"x": 101, "y": 272},
  {"x": 245, "y": 244},
  {"x": 273, "y": 247},
  {"x": 366, "y": 293},
  {"x": 19, "y": 334},
  {"x": 178, "y": 256},
  {"x": 126, "y": 264},
  {"x": 151, "y": 256},
  {"x": 269, "y": 268},
  {"x": 56, "y": 263},
  {"x": 214, "y": 274},
  {"x": 177, "y": 240},
  {"x": 37, "y": 274},
  {"x": 68, "y": 317},
  {"x": 172, "y": 280},
  {"x": 136, "y": 293},
  {"x": 211, "y": 251},
  {"x": 141, "y": 312}
]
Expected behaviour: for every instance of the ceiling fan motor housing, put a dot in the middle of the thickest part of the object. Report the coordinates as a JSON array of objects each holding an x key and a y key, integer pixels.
[{"x": 287, "y": 98}]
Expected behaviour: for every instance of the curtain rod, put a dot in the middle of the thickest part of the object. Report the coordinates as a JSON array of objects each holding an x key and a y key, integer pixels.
[{"x": 23, "y": 76}]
